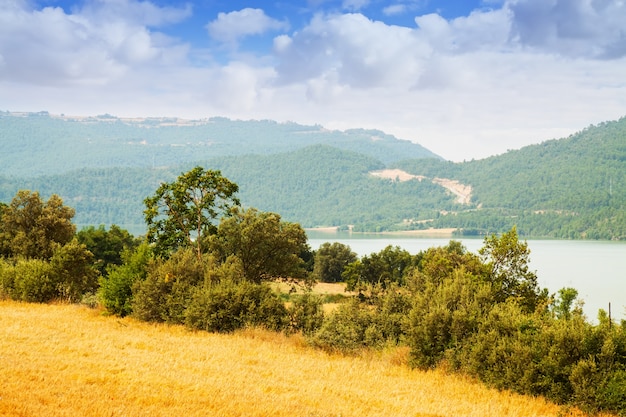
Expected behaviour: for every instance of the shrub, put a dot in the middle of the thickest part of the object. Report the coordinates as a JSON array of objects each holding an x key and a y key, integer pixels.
[
  {"x": 348, "y": 329},
  {"x": 73, "y": 266},
  {"x": 7, "y": 277},
  {"x": 33, "y": 280},
  {"x": 115, "y": 290},
  {"x": 611, "y": 395},
  {"x": 168, "y": 288},
  {"x": 306, "y": 313},
  {"x": 445, "y": 313},
  {"x": 228, "y": 306}
]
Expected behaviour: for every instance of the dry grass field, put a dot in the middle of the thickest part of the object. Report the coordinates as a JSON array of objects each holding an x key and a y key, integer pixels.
[{"x": 68, "y": 360}]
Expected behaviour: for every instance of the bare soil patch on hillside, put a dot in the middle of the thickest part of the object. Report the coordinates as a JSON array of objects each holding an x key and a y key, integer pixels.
[{"x": 461, "y": 191}]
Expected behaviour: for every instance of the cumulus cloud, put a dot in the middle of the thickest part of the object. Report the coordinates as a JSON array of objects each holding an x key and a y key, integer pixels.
[
  {"x": 96, "y": 43},
  {"x": 359, "y": 51},
  {"x": 496, "y": 78},
  {"x": 230, "y": 27}
]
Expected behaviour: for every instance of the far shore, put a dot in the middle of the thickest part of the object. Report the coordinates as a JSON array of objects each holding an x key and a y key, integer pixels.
[{"x": 446, "y": 232}]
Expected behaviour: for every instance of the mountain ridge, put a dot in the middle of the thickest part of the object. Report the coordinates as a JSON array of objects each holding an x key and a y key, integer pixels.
[{"x": 44, "y": 144}]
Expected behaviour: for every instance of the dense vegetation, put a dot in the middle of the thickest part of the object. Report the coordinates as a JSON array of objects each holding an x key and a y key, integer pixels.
[
  {"x": 568, "y": 188},
  {"x": 36, "y": 144},
  {"x": 207, "y": 264},
  {"x": 314, "y": 186}
]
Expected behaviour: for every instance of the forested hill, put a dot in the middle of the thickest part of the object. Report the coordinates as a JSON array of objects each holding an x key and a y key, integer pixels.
[
  {"x": 40, "y": 144},
  {"x": 316, "y": 186},
  {"x": 571, "y": 187}
]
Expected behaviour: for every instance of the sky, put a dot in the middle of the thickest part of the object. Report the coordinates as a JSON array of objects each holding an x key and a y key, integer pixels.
[{"x": 467, "y": 79}]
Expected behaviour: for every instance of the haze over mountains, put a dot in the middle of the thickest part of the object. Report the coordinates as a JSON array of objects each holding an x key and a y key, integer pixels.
[{"x": 104, "y": 167}]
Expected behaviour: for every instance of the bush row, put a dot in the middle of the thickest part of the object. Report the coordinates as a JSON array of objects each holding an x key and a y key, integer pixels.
[{"x": 67, "y": 275}]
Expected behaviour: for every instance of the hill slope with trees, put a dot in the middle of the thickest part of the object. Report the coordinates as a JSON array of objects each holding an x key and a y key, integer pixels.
[
  {"x": 40, "y": 144},
  {"x": 568, "y": 188},
  {"x": 573, "y": 187}
]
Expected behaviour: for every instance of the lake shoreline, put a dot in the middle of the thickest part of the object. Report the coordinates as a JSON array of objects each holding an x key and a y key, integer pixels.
[{"x": 440, "y": 233}]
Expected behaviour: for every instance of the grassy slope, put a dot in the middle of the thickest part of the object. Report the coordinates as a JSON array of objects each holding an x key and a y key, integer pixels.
[{"x": 60, "y": 360}]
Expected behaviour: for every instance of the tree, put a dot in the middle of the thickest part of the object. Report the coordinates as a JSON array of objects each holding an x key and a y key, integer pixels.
[
  {"x": 116, "y": 288},
  {"x": 34, "y": 229},
  {"x": 184, "y": 213},
  {"x": 563, "y": 305},
  {"x": 507, "y": 259},
  {"x": 73, "y": 264},
  {"x": 267, "y": 246},
  {"x": 106, "y": 245},
  {"x": 330, "y": 261},
  {"x": 387, "y": 266}
]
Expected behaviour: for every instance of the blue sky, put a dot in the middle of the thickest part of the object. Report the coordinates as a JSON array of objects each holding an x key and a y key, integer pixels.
[{"x": 466, "y": 79}]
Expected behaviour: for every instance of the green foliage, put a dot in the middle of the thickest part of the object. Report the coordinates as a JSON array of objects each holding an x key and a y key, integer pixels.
[
  {"x": 568, "y": 188},
  {"x": 563, "y": 306},
  {"x": 183, "y": 213},
  {"x": 375, "y": 322},
  {"x": 31, "y": 280},
  {"x": 330, "y": 261},
  {"x": 438, "y": 263},
  {"x": 31, "y": 228},
  {"x": 168, "y": 287},
  {"x": 228, "y": 306},
  {"x": 385, "y": 267},
  {"x": 73, "y": 266},
  {"x": 347, "y": 330},
  {"x": 68, "y": 275},
  {"x": 116, "y": 287},
  {"x": 446, "y": 312},
  {"x": 508, "y": 260},
  {"x": 267, "y": 247},
  {"x": 306, "y": 313},
  {"x": 107, "y": 246}
]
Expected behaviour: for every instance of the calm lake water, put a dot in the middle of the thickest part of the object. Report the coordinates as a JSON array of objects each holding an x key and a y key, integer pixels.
[{"x": 596, "y": 269}]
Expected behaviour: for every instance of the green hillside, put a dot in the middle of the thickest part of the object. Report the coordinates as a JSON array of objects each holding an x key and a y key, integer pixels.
[
  {"x": 568, "y": 188},
  {"x": 573, "y": 187},
  {"x": 39, "y": 144},
  {"x": 318, "y": 185}
]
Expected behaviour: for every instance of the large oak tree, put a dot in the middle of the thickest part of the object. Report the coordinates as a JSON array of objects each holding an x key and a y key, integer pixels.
[{"x": 185, "y": 212}]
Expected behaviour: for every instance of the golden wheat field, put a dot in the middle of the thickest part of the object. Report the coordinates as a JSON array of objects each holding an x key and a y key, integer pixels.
[{"x": 68, "y": 360}]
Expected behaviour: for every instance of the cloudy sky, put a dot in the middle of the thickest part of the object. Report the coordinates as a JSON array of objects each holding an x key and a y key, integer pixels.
[{"x": 464, "y": 78}]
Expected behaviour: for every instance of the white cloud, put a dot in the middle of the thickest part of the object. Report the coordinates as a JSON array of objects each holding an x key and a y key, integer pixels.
[
  {"x": 230, "y": 27},
  {"x": 97, "y": 43},
  {"x": 394, "y": 9},
  {"x": 141, "y": 13},
  {"x": 465, "y": 88},
  {"x": 577, "y": 28},
  {"x": 361, "y": 52}
]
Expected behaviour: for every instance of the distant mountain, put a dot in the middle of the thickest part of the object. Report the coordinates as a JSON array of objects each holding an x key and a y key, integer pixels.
[
  {"x": 573, "y": 187},
  {"x": 40, "y": 144}
]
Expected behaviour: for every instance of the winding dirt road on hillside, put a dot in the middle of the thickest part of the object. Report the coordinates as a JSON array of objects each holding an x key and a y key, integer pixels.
[{"x": 461, "y": 191}]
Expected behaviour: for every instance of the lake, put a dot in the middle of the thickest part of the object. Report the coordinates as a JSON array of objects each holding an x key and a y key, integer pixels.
[{"x": 597, "y": 269}]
